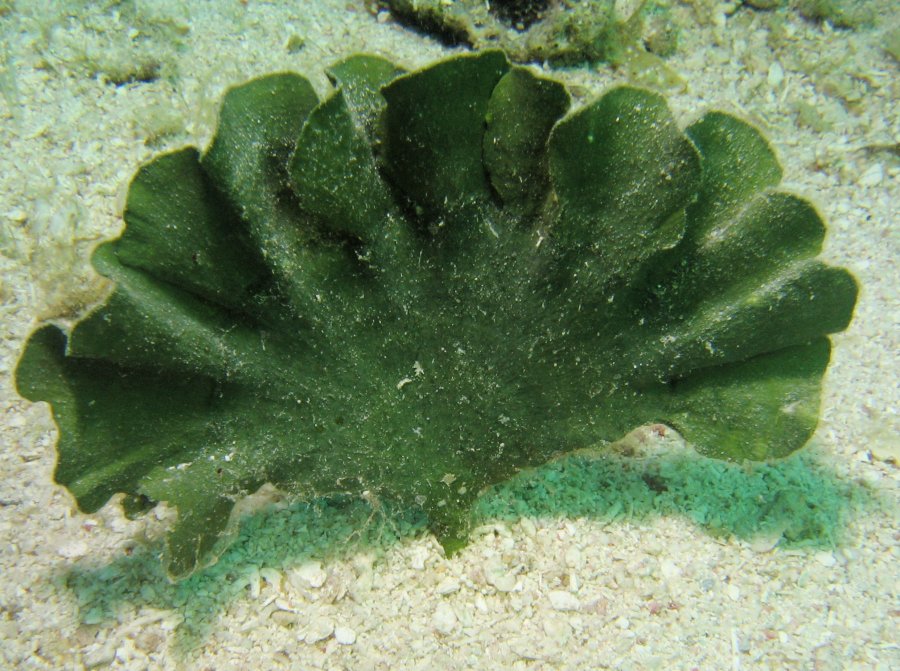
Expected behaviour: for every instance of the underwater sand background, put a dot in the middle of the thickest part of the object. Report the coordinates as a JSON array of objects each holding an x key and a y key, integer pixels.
[{"x": 657, "y": 560}]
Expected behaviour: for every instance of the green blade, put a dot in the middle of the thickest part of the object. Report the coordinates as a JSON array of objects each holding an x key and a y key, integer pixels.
[
  {"x": 520, "y": 115},
  {"x": 434, "y": 133},
  {"x": 427, "y": 283}
]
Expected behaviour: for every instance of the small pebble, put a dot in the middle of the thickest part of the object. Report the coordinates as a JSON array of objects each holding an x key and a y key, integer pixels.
[
  {"x": 419, "y": 555},
  {"x": 73, "y": 550},
  {"x": 557, "y": 628},
  {"x": 444, "y": 619},
  {"x": 281, "y": 604},
  {"x": 826, "y": 559},
  {"x": 447, "y": 586},
  {"x": 344, "y": 635},
  {"x": 101, "y": 657},
  {"x": 505, "y": 583},
  {"x": 528, "y": 527},
  {"x": 284, "y": 618},
  {"x": 765, "y": 542},
  {"x": 733, "y": 592},
  {"x": 776, "y": 75},
  {"x": 271, "y": 576},
  {"x": 319, "y": 630},
  {"x": 18, "y": 215},
  {"x": 573, "y": 558},
  {"x": 669, "y": 569},
  {"x": 497, "y": 574},
  {"x": 311, "y": 574},
  {"x": 873, "y": 176},
  {"x": 564, "y": 601}
]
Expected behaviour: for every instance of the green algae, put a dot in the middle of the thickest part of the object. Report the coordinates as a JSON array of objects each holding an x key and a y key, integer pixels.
[{"x": 358, "y": 297}]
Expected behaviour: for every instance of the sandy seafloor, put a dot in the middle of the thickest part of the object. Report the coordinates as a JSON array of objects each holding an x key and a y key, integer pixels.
[{"x": 587, "y": 564}]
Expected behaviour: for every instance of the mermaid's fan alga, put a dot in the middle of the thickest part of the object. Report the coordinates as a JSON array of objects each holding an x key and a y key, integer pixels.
[{"x": 426, "y": 283}]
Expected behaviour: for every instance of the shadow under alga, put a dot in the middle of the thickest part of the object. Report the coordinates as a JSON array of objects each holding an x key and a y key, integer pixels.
[{"x": 799, "y": 501}]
